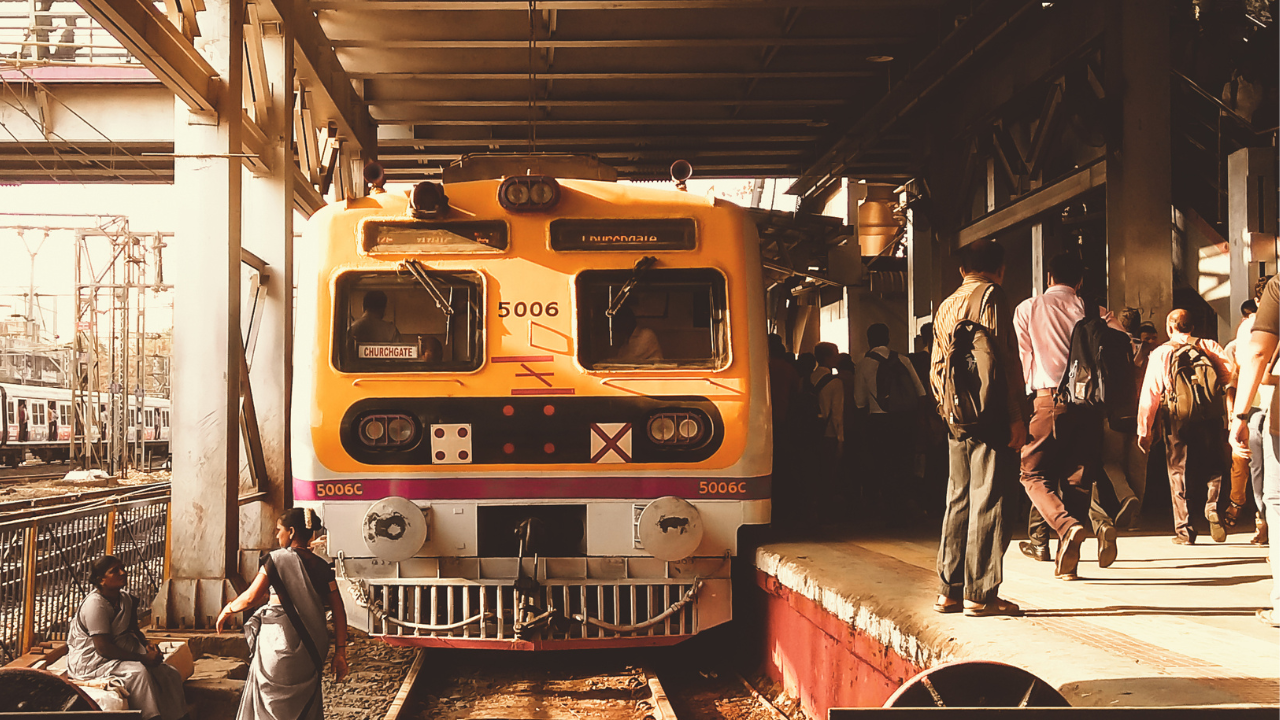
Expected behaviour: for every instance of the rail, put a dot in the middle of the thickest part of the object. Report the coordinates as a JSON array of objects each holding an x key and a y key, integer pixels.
[{"x": 45, "y": 556}]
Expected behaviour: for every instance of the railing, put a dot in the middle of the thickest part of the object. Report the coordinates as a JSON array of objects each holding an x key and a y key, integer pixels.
[
  {"x": 40, "y": 32},
  {"x": 45, "y": 559}
]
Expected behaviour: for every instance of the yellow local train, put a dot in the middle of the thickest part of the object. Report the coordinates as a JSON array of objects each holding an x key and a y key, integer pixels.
[{"x": 530, "y": 408}]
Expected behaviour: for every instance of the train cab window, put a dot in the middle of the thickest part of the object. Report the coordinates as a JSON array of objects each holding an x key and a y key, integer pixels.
[
  {"x": 425, "y": 321},
  {"x": 667, "y": 318}
]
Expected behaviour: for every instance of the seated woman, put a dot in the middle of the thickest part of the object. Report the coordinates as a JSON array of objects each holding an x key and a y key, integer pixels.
[
  {"x": 288, "y": 636},
  {"x": 104, "y": 641}
]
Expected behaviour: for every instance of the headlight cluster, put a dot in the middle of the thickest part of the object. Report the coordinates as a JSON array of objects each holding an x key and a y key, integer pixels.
[
  {"x": 678, "y": 428},
  {"x": 528, "y": 193},
  {"x": 389, "y": 431}
]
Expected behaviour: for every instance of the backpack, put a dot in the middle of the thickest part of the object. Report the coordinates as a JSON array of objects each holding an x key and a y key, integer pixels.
[
  {"x": 895, "y": 393},
  {"x": 973, "y": 393},
  {"x": 1195, "y": 391},
  {"x": 805, "y": 413},
  {"x": 1100, "y": 371}
]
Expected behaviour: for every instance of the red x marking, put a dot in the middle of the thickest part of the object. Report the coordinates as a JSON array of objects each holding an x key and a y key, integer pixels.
[
  {"x": 542, "y": 376},
  {"x": 611, "y": 443}
]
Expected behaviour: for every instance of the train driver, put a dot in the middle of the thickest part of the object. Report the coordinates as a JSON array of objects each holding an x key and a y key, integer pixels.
[
  {"x": 370, "y": 327},
  {"x": 637, "y": 344}
]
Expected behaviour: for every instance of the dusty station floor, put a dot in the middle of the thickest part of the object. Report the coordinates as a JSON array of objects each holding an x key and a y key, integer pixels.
[
  {"x": 1164, "y": 625},
  {"x": 23, "y": 490}
]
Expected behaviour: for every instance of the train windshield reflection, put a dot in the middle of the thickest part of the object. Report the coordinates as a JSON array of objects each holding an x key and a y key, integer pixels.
[{"x": 672, "y": 319}]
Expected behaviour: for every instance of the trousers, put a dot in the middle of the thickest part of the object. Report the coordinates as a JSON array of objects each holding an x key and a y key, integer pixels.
[
  {"x": 1246, "y": 473},
  {"x": 1061, "y": 461},
  {"x": 1199, "y": 451},
  {"x": 975, "y": 525}
]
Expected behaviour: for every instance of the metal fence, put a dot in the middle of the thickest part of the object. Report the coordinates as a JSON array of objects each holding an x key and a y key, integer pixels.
[
  {"x": 58, "y": 32},
  {"x": 45, "y": 558}
]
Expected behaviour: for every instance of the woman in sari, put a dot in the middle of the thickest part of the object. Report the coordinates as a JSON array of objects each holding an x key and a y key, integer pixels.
[
  {"x": 104, "y": 641},
  {"x": 288, "y": 637}
]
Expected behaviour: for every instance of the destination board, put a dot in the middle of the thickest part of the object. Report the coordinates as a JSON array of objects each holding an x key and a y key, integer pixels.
[
  {"x": 666, "y": 234},
  {"x": 386, "y": 236},
  {"x": 388, "y": 352}
]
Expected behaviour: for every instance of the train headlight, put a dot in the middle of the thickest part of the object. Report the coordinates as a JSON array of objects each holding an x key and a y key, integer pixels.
[
  {"x": 679, "y": 427},
  {"x": 400, "y": 430},
  {"x": 428, "y": 201},
  {"x": 373, "y": 430},
  {"x": 661, "y": 429},
  {"x": 528, "y": 193},
  {"x": 390, "y": 431}
]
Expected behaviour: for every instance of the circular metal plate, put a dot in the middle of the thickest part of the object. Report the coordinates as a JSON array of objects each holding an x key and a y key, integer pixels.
[
  {"x": 38, "y": 691},
  {"x": 670, "y": 528},
  {"x": 976, "y": 684},
  {"x": 394, "y": 529}
]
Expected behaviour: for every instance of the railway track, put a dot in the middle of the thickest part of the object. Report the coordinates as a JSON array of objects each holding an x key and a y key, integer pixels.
[{"x": 605, "y": 685}]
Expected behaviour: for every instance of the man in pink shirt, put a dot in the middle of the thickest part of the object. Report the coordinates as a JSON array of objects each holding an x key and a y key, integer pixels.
[
  {"x": 1063, "y": 455},
  {"x": 1203, "y": 444}
]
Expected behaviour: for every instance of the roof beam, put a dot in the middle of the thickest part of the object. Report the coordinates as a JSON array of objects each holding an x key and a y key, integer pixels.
[
  {"x": 987, "y": 22},
  {"x": 630, "y": 75},
  {"x": 628, "y": 139},
  {"x": 523, "y": 5},
  {"x": 664, "y": 122},
  {"x": 149, "y": 36},
  {"x": 316, "y": 63},
  {"x": 660, "y": 43},
  {"x": 643, "y": 102}
]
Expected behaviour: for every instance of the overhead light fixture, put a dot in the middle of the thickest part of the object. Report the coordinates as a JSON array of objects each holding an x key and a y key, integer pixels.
[{"x": 879, "y": 58}]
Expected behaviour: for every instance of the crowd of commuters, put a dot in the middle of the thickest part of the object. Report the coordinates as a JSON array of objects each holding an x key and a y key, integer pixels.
[{"x": 1058, "y": 393}]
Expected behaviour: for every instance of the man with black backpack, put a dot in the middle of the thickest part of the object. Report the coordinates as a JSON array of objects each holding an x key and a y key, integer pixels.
[
  {"x": 1063, "y": 342},
  {"x": 977, "y": 378},
  {"x": 887, "y": 394},
  {"x": 1185, "y": 383}
]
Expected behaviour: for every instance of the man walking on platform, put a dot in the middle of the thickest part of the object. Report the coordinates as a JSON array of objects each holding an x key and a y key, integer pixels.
[
  {"x": 1063, "y": 456},
  {"x": 1184, "y": 382},
  {"x": 975, "y": 531},
  {"x": 887, "y": 394},
  {"x": 1258, "y": 359}
]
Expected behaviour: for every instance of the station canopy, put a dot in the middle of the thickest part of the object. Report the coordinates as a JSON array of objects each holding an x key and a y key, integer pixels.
[{"x": 739, "y": 88}]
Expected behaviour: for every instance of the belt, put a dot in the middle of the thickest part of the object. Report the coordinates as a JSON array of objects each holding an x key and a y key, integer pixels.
[{"x": 1044, "y": 392}]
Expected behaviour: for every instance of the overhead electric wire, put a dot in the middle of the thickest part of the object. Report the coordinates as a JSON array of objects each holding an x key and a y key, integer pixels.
[{"x": 43, "y": 88}]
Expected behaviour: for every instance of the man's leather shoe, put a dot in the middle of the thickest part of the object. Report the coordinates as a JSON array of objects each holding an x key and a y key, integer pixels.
[
  {"x": 1035, "y": 551},
  {"x": 1107, "y": 550},
  {"x": 1069, "y": 553},
  {"x": 1216, "y": 530},
  {"x": 1126, "y": 515},
  {"x": 1179, "y": 540}
]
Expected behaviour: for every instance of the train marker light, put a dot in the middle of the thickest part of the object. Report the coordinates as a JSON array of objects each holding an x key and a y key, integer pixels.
[
  {"x": 678, "y": 428},
  {"x": 451, "y": 443},
  {"x": 428, "y": 201},
  {"x": 528, "y": 193}
]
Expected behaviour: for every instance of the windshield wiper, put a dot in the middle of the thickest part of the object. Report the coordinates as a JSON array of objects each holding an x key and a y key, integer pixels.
[
  {"x": 419, "y": 273},
  {"x": 637, "y": 273}
]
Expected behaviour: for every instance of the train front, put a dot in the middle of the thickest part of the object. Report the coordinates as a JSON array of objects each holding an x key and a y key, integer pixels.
[{"x": 532, "y": 413}]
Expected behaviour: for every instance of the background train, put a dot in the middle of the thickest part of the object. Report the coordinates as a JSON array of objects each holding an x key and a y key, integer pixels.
[
  {"x": 533, "y": 411},
  {"x": 48, "y": 415}
]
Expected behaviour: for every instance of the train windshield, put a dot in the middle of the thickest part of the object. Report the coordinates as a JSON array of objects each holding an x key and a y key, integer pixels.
[
  {"x": 671, "y": 318},
  {"x": 421, "y": 321}
]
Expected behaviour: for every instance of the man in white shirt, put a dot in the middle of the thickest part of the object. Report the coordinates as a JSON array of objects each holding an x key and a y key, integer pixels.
[
  {"x": 1063, "y": 455},
  {"x": 889, "y": 432}
]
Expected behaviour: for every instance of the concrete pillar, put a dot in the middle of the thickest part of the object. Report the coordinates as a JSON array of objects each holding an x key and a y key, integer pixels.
[
  {"x": 1139, "y": 195},
  {"x": 920, "y": 269},
  {"x": 205, "y": 259},
  {"x": 1251, "y": 221},
  {"x": 268, "y": 219}
]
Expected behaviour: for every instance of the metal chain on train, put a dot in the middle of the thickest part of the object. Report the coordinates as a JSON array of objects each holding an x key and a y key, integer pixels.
[
  {"x": 360, "y": 593},
  {"x": 674, "y": 608}
]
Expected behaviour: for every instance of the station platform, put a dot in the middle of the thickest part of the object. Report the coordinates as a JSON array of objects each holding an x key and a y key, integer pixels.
[{"x": 850, "y": 618}]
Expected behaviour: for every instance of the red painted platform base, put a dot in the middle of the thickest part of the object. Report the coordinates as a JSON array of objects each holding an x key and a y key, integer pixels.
[{"x": 821, "y": 660}]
